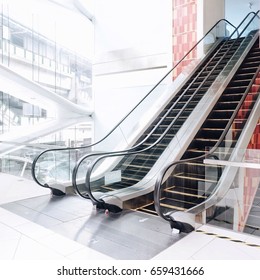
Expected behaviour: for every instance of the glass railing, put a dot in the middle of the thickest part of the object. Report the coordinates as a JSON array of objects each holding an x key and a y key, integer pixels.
[
  {"x": 15, "y": 172},
  {"x": 16, "y": 158},
  {"x": 182, "y": 187},
  {"x": 122, "y": 175},
  {"x": 127, "y": 131},
  {"x": 237, "y": 207}
]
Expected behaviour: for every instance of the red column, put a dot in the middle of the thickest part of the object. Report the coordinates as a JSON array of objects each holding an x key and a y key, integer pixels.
[{"x": 184, "y": 30}]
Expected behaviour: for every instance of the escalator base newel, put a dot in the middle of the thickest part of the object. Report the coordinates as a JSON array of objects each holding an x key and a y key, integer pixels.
[
  {"x": 181, "y": 226},
  {"x": 109, "y": 208},
  {"x": 56, "y": 192}
]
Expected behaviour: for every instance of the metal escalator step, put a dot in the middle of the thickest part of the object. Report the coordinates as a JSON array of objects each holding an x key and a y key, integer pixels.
[
  {"x": 247, "y": 69},
  {"x": 216, "y": 113},
  {"x": 187, "y": 189},
  {"x": 185, "y": 194},
  {"x": 136, "y": 166},
  {"x": 251, "y": 64},
  {"x": 130, "y": 179},
  {"x": 212, "y": 129},
  {"x": 176, "y": 204},
  {"x": 236, "y": 89},
  {"x": 194, "y": 177},
  {"x": 200, "y": 164},
  {"x": 164, "y": 126},
  {"x": 107, "y": 188},
  {"x": 157, "y": 135},
  {"x": 161, "y": 130},
  {"x": 215, "y": 133},
  {"x": 159, "y": 145},
  {"x": 217, "y": 120},
  {"x": 134, "y": 172},
  {"x": 223, "y": 110},
  {"x": 198, "y": 152},
  {"x": 226, "y": 105},
  {"x": 243, "y": 76},
  {"x": 213, "y": 140},
  {"x": 231, "y": 96},
  {"x": 253, "y": 58},
  {"x": 149, "y": 162},
  {"x": 202, "y": 77},
  {"x": 194, "y": 153},
  {"x": 177, "y": 208},
  {"x": 144, "y": 156},
  {"x": 240, "y": 82}
]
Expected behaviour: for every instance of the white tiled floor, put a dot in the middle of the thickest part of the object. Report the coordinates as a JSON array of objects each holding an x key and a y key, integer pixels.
[
  {"x": 221, "y": 244},
  {"x": 24, "y": 240}
]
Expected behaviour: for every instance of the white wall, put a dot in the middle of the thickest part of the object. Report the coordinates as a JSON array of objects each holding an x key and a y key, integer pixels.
[
  {"x": 132, "y": 52},
  {"x": 209, "y": 12},
  {"x": 236, "y": 10}
]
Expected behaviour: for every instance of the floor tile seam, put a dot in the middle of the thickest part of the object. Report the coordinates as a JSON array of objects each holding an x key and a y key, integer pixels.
[
  {"x": 17, "y": 246},
  {"x": 37, "y": 239},
  {"x": 11, "y": 239},
  {"x": 50, "y": 234},
  {"x": 28, "y": 221},
  {"x": 13, "y": 227},
  {"x": 203, "y": 246},
  {"x": 4, "y": 222}
]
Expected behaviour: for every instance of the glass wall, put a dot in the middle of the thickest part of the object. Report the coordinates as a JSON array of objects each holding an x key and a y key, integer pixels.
[
  {"x": 238, "y": 206},
  {"x": 49, "y": 43},
  {"x": 36, "y": 57}
]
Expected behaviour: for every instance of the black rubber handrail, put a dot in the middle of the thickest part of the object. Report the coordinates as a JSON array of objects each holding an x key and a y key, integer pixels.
[
  {"x": 160, "y": 178},
  {"x": 33, "y": 170},
  {"x": 130, "y": 152}
]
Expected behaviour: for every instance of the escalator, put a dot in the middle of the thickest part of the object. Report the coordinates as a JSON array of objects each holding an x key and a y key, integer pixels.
[
  {"x": 170, "y": 120},
  {"x": 140, "y": 126},
  {"x": 191, "y": 182},
  {"x": 112, "y": 176}
]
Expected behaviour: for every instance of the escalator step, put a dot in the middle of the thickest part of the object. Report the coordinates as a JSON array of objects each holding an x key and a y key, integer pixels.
[
  {"x": 211, "y": 140},
  {"x": 186, "y": 194},
  {"x": 236, "y": 89},
  {"x": 185, "y": 189},
  {"x": 194, "y": 177},
  {"x": 226, "y": 105},
  {"x": 175, "y": 204},
  {"x": 136, "y": 166}
]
